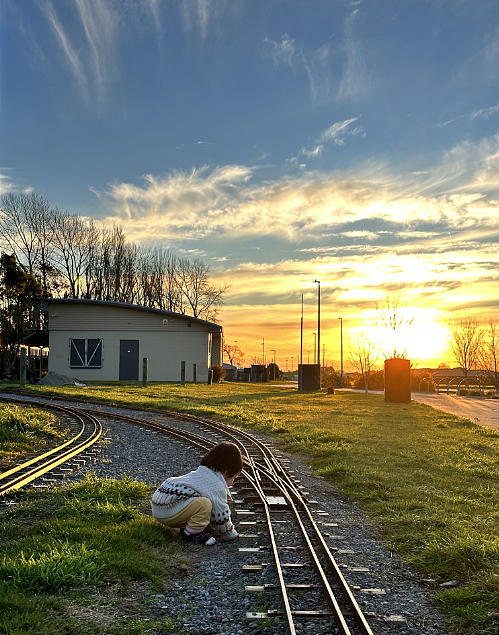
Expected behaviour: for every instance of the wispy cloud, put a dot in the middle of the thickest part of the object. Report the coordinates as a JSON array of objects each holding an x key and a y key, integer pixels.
[
  {"x": 6, "y": 182},
  {"x": 362, "y": 234},
  {"x": 445, "y": 123},
  {"x": 200, "y": 15},
  {"x": 482, "y": 113},
  {"x": 88, "y": 44},
  {"x": 71, "y": 54},
  {"x": 354, "y": 77},
  {"x": 360, "y": 278},
  {"x": 99, "y": 24},
  {"x": 337, "y": 132},
  {"x": 485, "y": 112},
  {"x": 334, "y": 135},
  {"x": 180, "y": 205},
  {"x": 226, "y": 202},
  {"x": 333, "y": 71},
  {"x": 155, "y": 13},
  {"x": 318, "y": 66},
  {"x": 482, "y": 64},
  {"x": 281, "y": 53},
  {"x": 490, "y": 55},
  {"x": 312, "y": 153}
]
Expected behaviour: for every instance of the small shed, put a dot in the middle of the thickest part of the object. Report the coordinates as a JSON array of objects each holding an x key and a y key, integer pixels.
[{"x": 98, "y": 340}]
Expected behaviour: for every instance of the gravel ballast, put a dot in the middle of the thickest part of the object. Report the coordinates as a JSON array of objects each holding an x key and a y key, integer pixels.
[{"x": 210, "y": 598}]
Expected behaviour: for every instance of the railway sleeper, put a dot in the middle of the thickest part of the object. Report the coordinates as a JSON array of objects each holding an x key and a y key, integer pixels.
[
  {"x": 279, "y": 612},
  {"x": 265, "y": 587},
  {"x": 251, "y": 568}
]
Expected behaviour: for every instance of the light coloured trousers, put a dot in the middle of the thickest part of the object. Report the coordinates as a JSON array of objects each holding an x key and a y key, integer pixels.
[{"x": 196, "y": 514}]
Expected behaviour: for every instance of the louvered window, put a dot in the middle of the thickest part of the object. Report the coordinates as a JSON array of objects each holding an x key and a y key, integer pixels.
[{"x": 85, "y": 353}]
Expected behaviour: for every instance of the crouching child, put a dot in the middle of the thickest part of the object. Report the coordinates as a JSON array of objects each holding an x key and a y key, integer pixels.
[{"x": 193, "y": 501}]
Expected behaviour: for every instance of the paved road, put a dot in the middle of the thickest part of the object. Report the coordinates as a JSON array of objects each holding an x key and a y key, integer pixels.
[{"x": 485, "y": 412}]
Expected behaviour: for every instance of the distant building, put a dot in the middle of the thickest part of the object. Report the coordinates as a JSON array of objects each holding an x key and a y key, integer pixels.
[
  {"x": 230, "y": 371},
  {"x": 255, "y": 373},
  {"x": 97, "y": 340}
]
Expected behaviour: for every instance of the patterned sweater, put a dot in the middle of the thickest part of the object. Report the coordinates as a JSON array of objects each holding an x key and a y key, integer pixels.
[{"x": 175, "y": 493}]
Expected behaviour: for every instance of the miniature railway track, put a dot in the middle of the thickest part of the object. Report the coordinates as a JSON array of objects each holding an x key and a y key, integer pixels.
[
  {"x": 86, "y": 430},
  {"x": 305, "y": 581}
]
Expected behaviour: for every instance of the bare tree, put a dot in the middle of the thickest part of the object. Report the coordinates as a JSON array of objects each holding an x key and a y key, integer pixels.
[
  {"x": 489, "y": 355},
  {"x": 234, "y": 353},
  {"x": 26, "y": 230},
  {"x": 362, "y": 356},
  {"x": 171, "y": 282},
  {"x": 466, "y": 341},
  {"x": 75, "y": 242},
  {"x": 199, "y": 297},
  {"x": 122, "y": 273},
  {"x": 159, "y": 279},
  {"x": 71, "y": 256},
  {"x": 396, "y": 326}
]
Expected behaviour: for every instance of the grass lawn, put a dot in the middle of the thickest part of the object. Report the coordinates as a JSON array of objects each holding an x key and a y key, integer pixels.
[
  {"x": 25, "y": 429},
  {"x": 427, "y": 478},
  {"x": 70, "y": 554}
]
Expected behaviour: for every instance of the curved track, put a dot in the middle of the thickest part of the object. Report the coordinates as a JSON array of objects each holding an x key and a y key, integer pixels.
[
  {"x": 307, "y": 581},
  {"x": 86, "y": 430}
]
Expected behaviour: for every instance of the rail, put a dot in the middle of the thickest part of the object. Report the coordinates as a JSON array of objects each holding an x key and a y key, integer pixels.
[{"x": 272, "y": 496}]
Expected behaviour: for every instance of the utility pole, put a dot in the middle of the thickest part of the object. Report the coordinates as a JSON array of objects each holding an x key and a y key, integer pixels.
[
  {"x": 318, "y": 360},
  {"x": 341, "y": 349},
  {"x": 300, "y": 374}
]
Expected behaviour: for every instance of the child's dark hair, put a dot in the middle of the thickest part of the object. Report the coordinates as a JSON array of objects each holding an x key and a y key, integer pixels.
[{"x": 224, "y": 457}]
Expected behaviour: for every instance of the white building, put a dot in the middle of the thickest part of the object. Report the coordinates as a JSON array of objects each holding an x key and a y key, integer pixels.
[{"x": 97, "y": 340}]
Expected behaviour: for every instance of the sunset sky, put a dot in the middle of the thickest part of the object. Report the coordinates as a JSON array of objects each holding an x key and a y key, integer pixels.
[{"x": 281, "y": 141}]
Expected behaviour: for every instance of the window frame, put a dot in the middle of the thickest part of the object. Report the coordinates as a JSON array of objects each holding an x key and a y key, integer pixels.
[{"x": 84, "y": 350}]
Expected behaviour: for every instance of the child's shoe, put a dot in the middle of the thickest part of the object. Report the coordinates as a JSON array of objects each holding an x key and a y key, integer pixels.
[
  {"x": 228, "y": 536},
  {"x": 198, "y": 539}
]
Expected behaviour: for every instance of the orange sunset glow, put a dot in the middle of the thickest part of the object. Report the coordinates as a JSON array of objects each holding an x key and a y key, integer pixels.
[{"x": 278, "y": 145}]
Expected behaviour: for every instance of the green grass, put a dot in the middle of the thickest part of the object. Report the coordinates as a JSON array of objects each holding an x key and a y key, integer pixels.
[
  {"x": 67, "y": 544},
  {"x": 428, "y": 479},
  {"x": 23, "y": 429}
]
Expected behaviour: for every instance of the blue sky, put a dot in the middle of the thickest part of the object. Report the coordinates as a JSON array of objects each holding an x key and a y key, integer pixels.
[{"x": 281, "y": 141}]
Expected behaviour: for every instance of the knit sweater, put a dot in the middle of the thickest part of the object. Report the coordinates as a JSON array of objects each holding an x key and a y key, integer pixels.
[{"x": 175, "y": 493}]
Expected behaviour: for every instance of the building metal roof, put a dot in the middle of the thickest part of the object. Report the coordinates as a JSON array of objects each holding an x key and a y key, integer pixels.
[{"x": 125, "y": 305}]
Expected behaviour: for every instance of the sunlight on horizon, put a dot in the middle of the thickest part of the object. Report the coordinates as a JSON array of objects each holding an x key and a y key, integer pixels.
[{"x": 278, "y": 329}]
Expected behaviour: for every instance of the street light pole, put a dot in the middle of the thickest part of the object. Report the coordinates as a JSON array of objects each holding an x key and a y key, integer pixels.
[
  {"x": 273, "y": 351},
  {"x": 318, "y": 360},
  {"x": 341, "y": 348},
  {"x": 300, "y": 362}
]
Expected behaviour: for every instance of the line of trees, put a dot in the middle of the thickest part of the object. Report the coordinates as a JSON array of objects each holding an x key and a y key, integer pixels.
[
  {"x": 72, "y": 257},
  {"x": 474, "y": 346}
]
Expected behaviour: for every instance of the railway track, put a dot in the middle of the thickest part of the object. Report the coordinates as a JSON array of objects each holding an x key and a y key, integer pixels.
[
  {"x": 283, "y": 535},
  {"x": 86, "y": 430}
]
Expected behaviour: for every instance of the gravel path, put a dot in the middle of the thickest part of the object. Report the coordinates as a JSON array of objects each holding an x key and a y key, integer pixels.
[{"x": 210, "y": 599}]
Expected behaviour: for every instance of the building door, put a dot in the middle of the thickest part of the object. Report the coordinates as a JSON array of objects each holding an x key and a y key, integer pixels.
[{"x": 129, "y": 360}]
